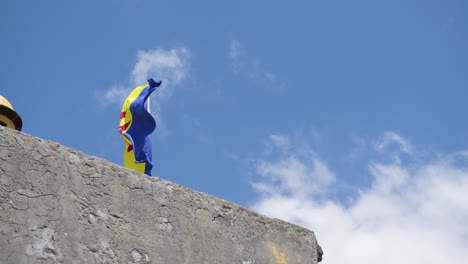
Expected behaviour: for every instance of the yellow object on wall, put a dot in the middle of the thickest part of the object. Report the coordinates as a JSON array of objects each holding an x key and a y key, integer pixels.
[
  {"x": 8, "y": 116},
  {"x": 279, "y": 256}
]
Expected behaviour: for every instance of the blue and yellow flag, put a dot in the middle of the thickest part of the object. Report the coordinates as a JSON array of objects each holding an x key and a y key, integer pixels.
[{"x": 136, "y": 126}]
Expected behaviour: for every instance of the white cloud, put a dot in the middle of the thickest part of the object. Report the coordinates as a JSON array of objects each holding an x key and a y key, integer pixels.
[
  {"x": 237, "y": 56},
  {"x": 115, "y": 94},
  {"x": 172, "y": 66},
  {"x": 277, "y": 143},
  {"x": 414, "y": 213},
  {"x": 390, "y": 138},
  {"x": 243, "y": 63}
]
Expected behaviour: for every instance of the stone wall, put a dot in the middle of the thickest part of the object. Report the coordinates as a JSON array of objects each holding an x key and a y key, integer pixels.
[{"x": 61, "y": 206}]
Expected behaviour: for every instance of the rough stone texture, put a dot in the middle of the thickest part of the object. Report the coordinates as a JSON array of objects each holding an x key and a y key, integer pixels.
[{"x": 58, "y": 205}]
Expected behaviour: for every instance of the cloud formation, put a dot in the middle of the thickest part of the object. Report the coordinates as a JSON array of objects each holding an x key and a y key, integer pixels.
[
  {"x": 172, "y": 66},
  {"x": 413, "y": 212},
  {"x": 243, "y": 63}
]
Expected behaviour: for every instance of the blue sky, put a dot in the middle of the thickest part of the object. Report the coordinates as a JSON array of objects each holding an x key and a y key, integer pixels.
[{"x": 346, "y": 117}]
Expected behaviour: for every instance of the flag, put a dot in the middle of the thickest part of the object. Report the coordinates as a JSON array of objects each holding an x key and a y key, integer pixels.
[{"x": 136, "y": 126}]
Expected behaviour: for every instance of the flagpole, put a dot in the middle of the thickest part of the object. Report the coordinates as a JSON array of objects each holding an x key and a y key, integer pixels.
[
  {"x": 152, "y": 84},
  {"x": 149, "y": 105}
]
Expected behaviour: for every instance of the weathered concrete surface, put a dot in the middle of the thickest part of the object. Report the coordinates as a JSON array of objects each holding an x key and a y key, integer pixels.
[{"x": 58, "y": 205}]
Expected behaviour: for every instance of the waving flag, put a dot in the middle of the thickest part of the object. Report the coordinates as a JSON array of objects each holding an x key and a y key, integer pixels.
[{"x": 136, "y": 126}]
